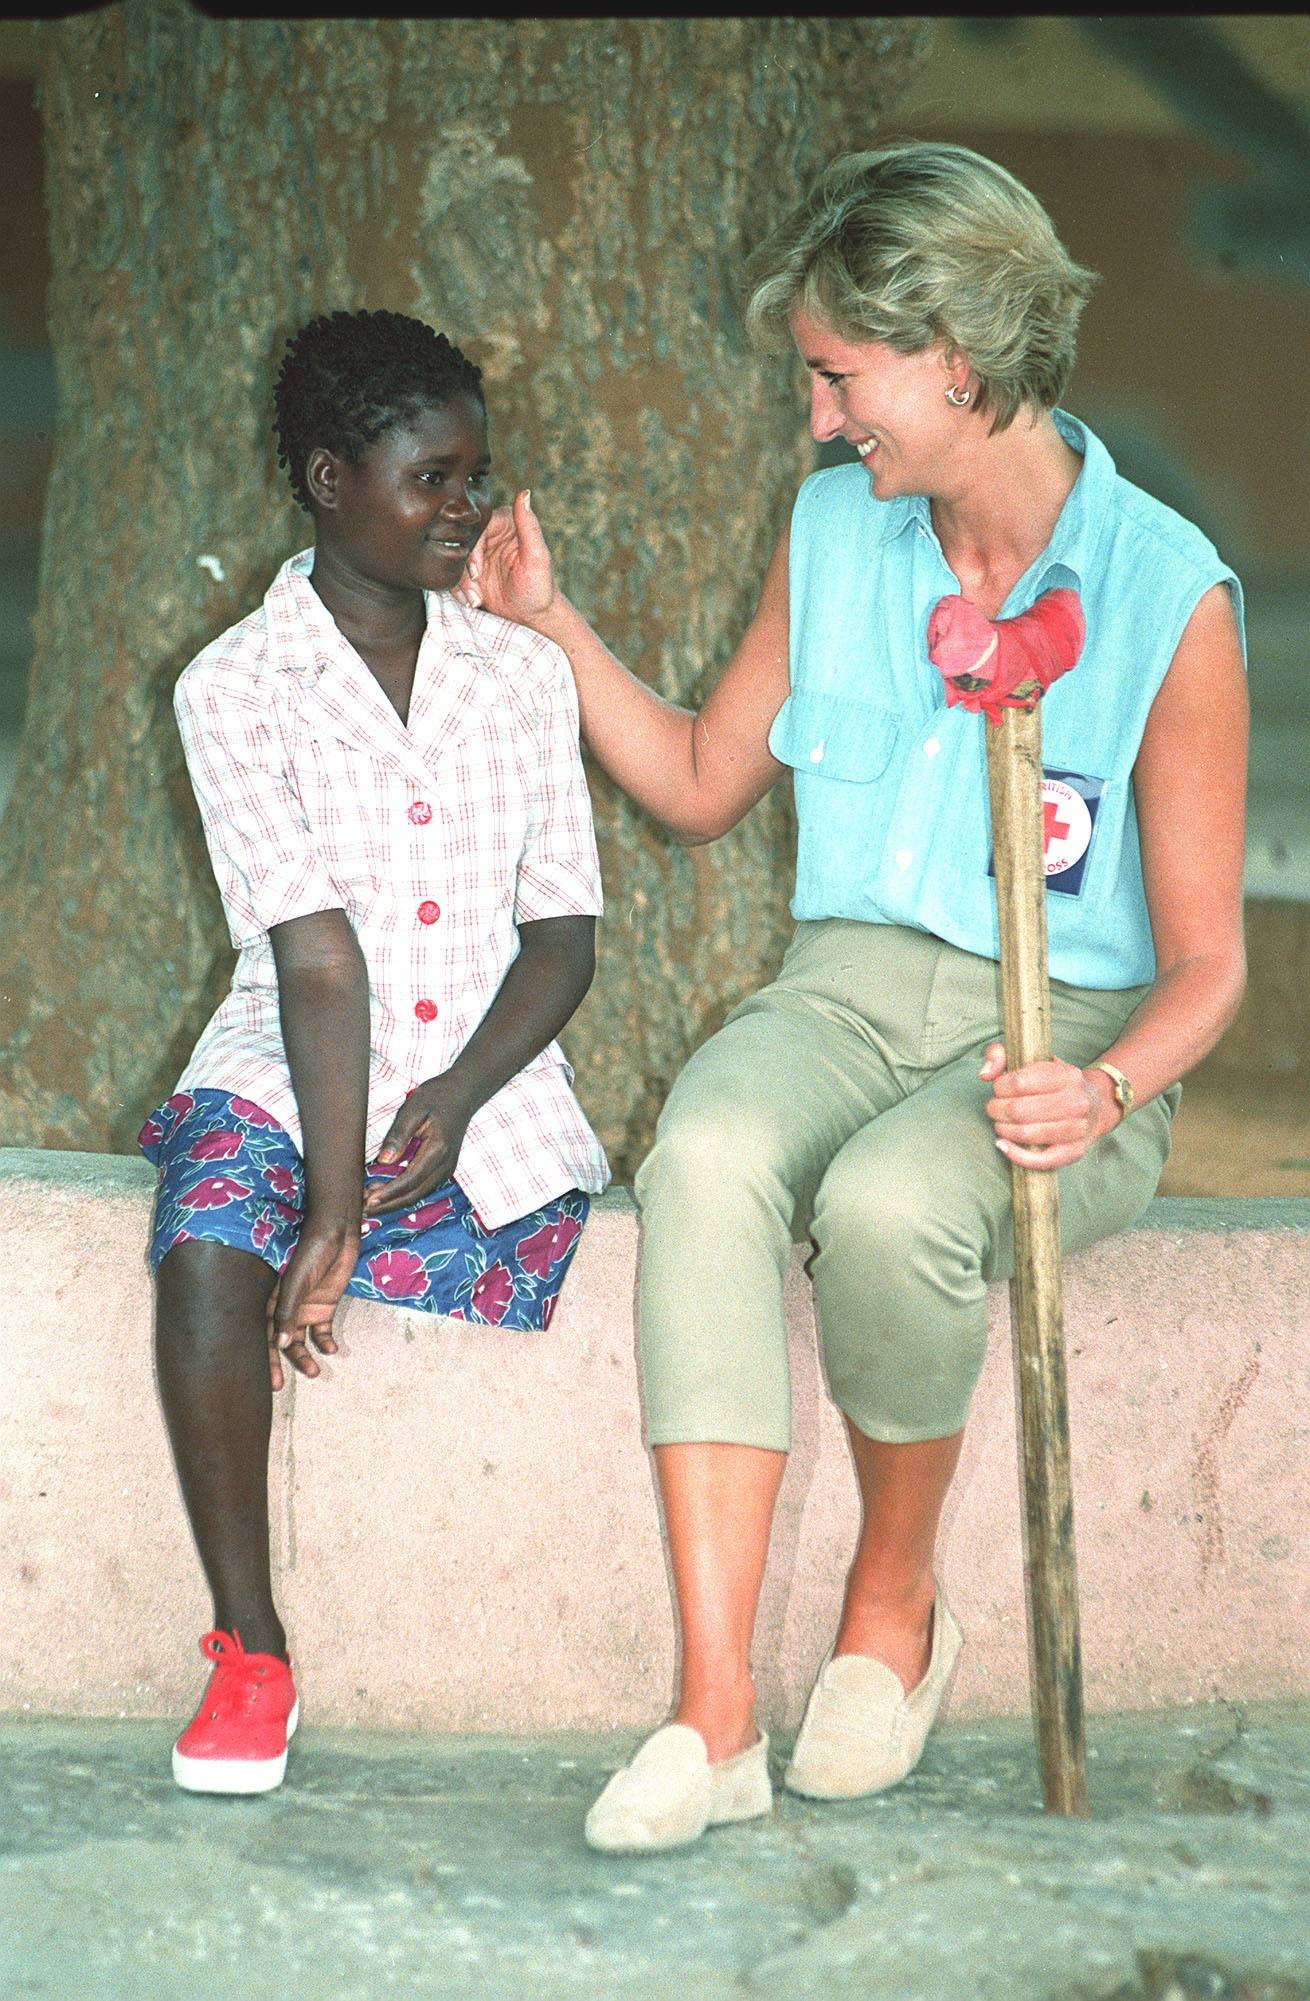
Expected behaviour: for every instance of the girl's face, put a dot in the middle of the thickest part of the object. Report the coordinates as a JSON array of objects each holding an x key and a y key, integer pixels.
[
  {"x": 892, "y": 407},
  {"x": 407, "y": 513}
]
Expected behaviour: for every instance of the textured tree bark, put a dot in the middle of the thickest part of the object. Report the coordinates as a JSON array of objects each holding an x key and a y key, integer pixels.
[{"x": 572, "y": 201}]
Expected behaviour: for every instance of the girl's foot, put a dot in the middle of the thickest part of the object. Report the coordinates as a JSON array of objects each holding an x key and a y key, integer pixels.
[{"x": 237, "y": 1740}]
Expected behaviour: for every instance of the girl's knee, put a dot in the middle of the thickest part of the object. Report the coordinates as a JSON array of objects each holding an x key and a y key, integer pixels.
[{"x": 204, "y": 1291}]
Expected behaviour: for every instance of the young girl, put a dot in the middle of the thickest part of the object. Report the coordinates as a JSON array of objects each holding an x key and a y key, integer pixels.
[{"x": 396, "y": 811}]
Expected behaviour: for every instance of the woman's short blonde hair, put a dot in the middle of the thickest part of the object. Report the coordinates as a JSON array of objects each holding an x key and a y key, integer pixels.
[{"x": 923, "y": 242}]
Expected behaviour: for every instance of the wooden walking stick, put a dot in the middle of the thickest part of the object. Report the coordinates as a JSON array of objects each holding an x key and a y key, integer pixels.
[{"x": 1009, "y": 666}]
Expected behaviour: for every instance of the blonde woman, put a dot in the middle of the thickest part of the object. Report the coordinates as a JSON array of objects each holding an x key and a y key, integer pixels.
[{"x": 861, "y": 1101}]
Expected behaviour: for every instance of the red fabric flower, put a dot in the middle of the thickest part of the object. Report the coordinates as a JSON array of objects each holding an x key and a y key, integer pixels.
[
  {"x": 397, "y": 1274},
  {"x": 262, "y": 1231},
  {"x": 493, "y": 1293},
  {"x": 281, "y": 1180},
  {"x": 150, "y": 1134},
  {"x": 179, "y": 1104},
  {"x": 991, "y": 664},
  {"x": 546, "y": 1246},
  {"x": 254, "y": 1115},
  {"x": 427, "y": 1214},
  {"x": 215, "y": 1192},
  {"x": 216, "y": 1146}
]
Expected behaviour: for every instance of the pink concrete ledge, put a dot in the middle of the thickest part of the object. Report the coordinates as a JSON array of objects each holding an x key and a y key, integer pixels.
[{"x": 466, "y": 1526}]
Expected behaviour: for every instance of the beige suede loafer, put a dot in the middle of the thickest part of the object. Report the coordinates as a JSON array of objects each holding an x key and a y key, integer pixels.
[
  {"x": 861, "y": 1731},
  {"x": 670, "y": 1793}
]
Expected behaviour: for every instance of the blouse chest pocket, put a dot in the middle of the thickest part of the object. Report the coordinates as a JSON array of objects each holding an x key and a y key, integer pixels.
[
  {"x": 843, "y": 755},
  {"x": 831, "y": 736}
]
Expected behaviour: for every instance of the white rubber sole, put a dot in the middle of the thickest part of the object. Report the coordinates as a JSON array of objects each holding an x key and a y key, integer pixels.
[{"x": 234, "y": 1775}]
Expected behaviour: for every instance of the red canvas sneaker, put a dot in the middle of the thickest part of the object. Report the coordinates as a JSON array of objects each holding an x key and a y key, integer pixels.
[{"x": 237, "y": 1742}]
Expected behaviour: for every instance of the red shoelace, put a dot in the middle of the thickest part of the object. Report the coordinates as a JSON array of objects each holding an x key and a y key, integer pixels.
[{"x": 238, "y": 1677}]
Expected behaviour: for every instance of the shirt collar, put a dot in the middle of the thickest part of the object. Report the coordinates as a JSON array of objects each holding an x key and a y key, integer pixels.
[
  {"x": 1078, "y": 528},
  {"x": 302, "y": 633},
  {"x": 1082, "y": 520}
]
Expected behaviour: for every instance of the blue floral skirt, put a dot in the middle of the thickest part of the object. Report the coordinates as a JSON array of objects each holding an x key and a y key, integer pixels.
[{"x": 230, "y": 1174}]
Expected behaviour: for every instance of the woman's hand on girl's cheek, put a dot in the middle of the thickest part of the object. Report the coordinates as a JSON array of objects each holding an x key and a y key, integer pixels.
[
  {"x": 509, "y": 570},
  {"x": 1045, "y": 1115}
]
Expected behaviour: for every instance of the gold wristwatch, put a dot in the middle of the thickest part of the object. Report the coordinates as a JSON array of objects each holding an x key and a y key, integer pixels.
[{"x": 1123, "y": 1090}]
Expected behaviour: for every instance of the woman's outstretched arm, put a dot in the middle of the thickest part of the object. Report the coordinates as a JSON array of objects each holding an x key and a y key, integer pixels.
[{"x": 698, "y": 773}]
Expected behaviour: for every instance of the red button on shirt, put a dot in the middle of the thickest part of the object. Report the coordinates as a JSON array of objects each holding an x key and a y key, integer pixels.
[
  {"x": 420, "y": 813},
  {"x": 428, "y": 913},
  {"x": 426, "y": 1010}
]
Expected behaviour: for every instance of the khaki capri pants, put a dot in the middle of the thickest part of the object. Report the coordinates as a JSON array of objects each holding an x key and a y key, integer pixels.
[{"x": 842, "y": 1104}]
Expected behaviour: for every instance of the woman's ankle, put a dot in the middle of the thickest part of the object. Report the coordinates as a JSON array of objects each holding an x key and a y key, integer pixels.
[
  {"x": 723, "y": 1713},
  {"x": 891, "y": 1624}
]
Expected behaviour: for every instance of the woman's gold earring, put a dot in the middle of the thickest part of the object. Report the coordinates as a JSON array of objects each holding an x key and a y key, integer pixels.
[{"x": 958, "y": 397}]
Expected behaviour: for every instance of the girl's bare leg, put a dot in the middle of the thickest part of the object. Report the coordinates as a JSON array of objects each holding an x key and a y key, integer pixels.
[
  {"x": 887, "y": 1611},
  {"x": 211, "y": 1348},
  {"x": 718, "y": 1509}
]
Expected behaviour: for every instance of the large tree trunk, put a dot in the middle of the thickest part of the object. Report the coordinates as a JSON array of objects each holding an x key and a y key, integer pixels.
[{"x": 572, "y": 201}]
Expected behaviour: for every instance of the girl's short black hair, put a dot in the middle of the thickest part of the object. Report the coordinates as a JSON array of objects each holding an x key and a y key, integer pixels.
[{"x": 348, "y": 377}]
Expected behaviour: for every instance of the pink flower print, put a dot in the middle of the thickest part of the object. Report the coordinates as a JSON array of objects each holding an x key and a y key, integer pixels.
[
  {"x": 282, "y": 1181},
  {"x": 262, "y": 1231},
  {"x": 150, "y": 1134},
  {"x": 397, "y": 1274},
  {"x": 457, "y": 1313},
  {"x": 546, "y": 1246},
  {"x": 216, "y": 1146},
  {"x": 215, "y": 1192},
  {"x": 370, "y": 1223},
  {"x": 548, "y": 1312},
  {"x": 493, "y": 1294},
  {"x": 427, "y": 1214},
  {"x": 254, "y": 1115}
]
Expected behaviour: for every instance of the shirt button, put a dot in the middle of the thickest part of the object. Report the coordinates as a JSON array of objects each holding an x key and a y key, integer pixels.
[
  {"x": 816, "y": 755},
  {"x": 428, "y": 913},
  {"x": 904, "y": 856},
  {"x": 426, "y": 1010},
  {"x": 932, "y": 746},
  {"x": 420, "y": 813}
]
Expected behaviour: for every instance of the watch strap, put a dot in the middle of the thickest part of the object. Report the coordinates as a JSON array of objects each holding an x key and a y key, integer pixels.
[{"x": 1123, "y": 1090}]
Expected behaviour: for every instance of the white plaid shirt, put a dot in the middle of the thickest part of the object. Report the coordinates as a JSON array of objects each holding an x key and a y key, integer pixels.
[{"x": 437, "y": 838}]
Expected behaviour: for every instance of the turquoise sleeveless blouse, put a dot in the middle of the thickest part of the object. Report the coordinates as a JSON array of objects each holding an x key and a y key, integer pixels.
[{"x": 891, "y": 785}]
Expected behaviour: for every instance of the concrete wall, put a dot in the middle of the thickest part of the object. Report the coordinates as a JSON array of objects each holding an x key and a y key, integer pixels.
[{"x": 465, "y": 1523}]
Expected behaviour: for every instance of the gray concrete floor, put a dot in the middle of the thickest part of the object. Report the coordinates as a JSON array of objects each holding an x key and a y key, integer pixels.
[{"x": 455, "y": 1867}]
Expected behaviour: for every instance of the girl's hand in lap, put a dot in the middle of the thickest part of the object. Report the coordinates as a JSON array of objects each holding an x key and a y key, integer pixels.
[
  {"x": 305, "y": 1299},
  {"x": 432, "y": 1121},
  {"x": 1046, "y": 1114},
  {"x": 509, "y": 571}
]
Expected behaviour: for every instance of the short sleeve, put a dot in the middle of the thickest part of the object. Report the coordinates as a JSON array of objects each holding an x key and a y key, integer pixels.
[
  {"x": 559, "y": 873},
  {"x": 265, "y": 862}
]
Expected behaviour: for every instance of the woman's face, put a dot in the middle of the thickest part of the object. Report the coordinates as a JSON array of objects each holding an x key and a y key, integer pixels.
[{"x": 892, "y": 407}]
